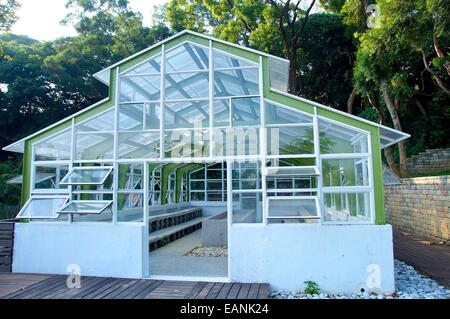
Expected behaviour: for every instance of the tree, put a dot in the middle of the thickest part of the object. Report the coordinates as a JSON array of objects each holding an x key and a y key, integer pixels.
[
  {"x": 8, "y": 16},
  {"x": 389, "y": 59}
]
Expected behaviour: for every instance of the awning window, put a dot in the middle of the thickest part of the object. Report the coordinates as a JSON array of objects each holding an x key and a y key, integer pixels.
[
  {"x": 85, "y": 207},
  {"x": 87, "y": 176},
  {"x": 42, "y": 207},
  {"x": 290, "y": 171}
]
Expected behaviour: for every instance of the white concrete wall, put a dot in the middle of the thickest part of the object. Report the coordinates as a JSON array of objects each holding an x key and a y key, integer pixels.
[
  {"x": 210, "y": 208},
  {"x": 100, "y": 249},
  {"x": 335, "y": 257}
]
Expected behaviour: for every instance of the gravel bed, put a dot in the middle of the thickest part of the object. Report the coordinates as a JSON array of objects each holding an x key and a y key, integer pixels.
[
  {"x": 209, "y": 252},
  {"x": 408, "y": 282}
]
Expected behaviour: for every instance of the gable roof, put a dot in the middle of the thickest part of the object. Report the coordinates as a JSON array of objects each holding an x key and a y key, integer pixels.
[{"x": 388, "y": 135}]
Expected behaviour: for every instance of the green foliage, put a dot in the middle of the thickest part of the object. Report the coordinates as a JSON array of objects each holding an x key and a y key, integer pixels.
[
  {"x": 8, "y": 16},
  {"x": 312, "y": 288},
  {"x": 9, "y": 193}
]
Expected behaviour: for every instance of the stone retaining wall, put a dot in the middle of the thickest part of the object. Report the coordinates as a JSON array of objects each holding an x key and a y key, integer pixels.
[
  {"x": 430, "y": 161},
  {"x": 420, "y": 206}
]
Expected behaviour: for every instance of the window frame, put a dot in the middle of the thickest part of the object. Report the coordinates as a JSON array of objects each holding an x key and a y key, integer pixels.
[
  {"x": 32, "y": 197},
  {"x": 87, "y": 168}
]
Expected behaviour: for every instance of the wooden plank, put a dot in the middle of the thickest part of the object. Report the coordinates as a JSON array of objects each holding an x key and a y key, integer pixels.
[
  {"x": 56, "y": 291},
  {"x": 122, "y": 288},
  {"x": 94, "y": 283},
  {"x": 105, "y": 293},
  {"x": 134, "y": 290},
  {"x": 224, "y": 291},
  {"x": 214, "y": 291},
  {"x": 253, "y": 293},
  {"x": 112, "y": 282},
  {"x": 263, "y": 291},
  {"x": 41, "y": 288},
  {"x": 195, "y": 290},
  {"x": 144, "y": 293},
  {"x": 99, "y": 286},
  {"x": 5, "y": 260},
  {"x": 5, "y": 243},
  {"x": 31, "y": 287},
  {"x": 5, "y": 268},
  {"x": 234, "y": 291},
  {"x": 204, "y": 292},
  {"x": 245, "y": 288},
  {"x": 6, "y": 226}
]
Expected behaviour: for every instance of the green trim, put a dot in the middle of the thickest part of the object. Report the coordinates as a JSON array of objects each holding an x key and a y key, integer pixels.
[{"x": 254, "y": 57}]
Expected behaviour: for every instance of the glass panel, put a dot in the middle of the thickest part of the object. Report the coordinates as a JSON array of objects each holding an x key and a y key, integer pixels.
[
  {"x": 151, "y": 66},
  {"x": 140, "y": 88},
  {"x": 239, "y": 82},
  {"x": 345, "y": 172},
  {"x": 237, "y": 141},
  {"x": 152, "y": 116},
  {"x": 85, "y": 207},
  {"x": 130, "y": 207},
  {"x": 54, "y": 148},
  {"x": 343, "y": 207},
  {"x": 214, "y": 185},
  {"x": 246, "y": 175},
  {"x": 49, "y": 176},
  {"x": 222, "y": 112},
  {"x": 247, "y": 208},
  {"x": 389, "y": 177},
  {"x": 276, "y": 114},
  {"x": 198, "y": 196},
  {"x": 189, "y": 114},
  {"x": 131, "y": 176},
  {"x": 87, "y": 176},
  {"x": 187, "y": 143},
  {"x": 279, "y": 74},
  {"x": 214, "y": 196},
  {"x": 102, "y": 122},
  {"x": 92, "y": 146},
  {"x": 42, "y": 207},
  {"x": 222, "y": 60},
  {"x": 131, "y": 117},
  {"x": 293, "y": 207},
  {"x": 187, "y": 86},
  {"x": 197, "y": 185},
  {"x": 187, "y": 57},
  {"x": 200, "y": 174},
  {"x": 139, "y": 145},
  {"x": 339, "y": 139},
  {"x": 246, "y": 111},
  {"x": 290, "y": 140}
]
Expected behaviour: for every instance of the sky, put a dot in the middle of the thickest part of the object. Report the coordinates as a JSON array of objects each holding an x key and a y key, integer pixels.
[{"x": 40, "y": 19}]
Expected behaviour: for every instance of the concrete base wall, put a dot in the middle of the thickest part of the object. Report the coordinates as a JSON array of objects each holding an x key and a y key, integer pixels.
[
  {"x": 99, "y": 249},
  {"x": 341, "y": 259}
]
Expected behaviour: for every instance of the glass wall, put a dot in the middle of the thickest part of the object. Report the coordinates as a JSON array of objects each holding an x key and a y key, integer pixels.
[{"x": 195, "y": 103}]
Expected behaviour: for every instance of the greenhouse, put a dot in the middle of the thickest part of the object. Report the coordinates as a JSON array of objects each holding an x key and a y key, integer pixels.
[{"x": 200, "y": 165}]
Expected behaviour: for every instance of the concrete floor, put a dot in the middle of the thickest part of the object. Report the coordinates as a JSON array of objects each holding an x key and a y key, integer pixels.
[{"x": 170, "y": 260}]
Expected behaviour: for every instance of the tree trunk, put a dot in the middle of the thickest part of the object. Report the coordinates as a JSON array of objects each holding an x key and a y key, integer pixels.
[
  {"x": 351, "y": 101},
  {"x": 397, "y": 125},
  {"x": 439, "y": 53},
  {"x": 435, "y": 77},
  {"x": 390, "y": 159},
  {"x": 420, "y": 107},
  {"x": 388, "y": 150},
  {"x": 293, "y": 74}
]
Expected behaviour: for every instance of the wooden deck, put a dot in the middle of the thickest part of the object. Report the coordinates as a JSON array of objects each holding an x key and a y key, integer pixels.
[
  {"x": 432, "y": 260},
  {"x": 55, "y": 287}
]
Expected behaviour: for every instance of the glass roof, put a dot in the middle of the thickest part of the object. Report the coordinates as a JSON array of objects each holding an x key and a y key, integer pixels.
[
  {"x": 223, "y": 60},
  {"x": 187, "y": 57}
]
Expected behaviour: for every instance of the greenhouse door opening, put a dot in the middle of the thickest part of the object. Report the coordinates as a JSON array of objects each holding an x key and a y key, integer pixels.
[{"x": 188, "y": 224}]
